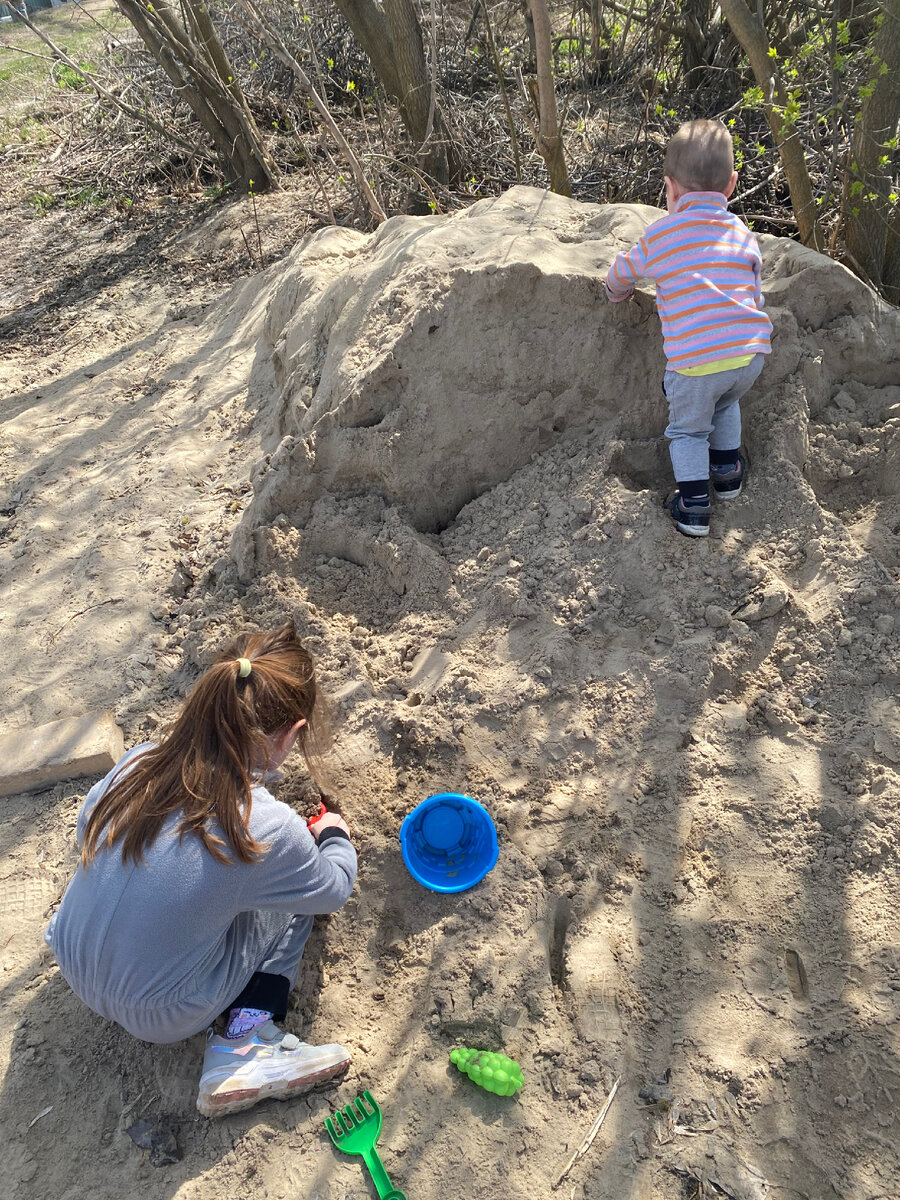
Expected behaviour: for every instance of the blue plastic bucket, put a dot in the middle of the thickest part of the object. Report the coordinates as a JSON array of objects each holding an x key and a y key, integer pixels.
[{"x": 449, "y": 842}]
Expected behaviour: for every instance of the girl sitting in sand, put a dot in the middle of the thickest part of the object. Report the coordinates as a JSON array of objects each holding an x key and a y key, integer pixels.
[{"x": 196, "y": 889}]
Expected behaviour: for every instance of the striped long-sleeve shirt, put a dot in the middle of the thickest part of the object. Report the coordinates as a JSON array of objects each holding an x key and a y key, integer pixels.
[{"x": 706, "y": 266}]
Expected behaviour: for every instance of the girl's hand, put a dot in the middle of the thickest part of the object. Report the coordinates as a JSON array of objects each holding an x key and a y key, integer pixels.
[{"x": 328, "y": 821}]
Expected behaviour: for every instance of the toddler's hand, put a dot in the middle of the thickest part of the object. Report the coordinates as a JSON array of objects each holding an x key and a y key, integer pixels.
[
  {"x": 616, "y": 299},
  {"x": 328, "y": 821}
]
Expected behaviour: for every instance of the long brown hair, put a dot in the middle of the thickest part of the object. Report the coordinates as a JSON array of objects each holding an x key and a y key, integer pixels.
[{"x": 203, "y": 765}]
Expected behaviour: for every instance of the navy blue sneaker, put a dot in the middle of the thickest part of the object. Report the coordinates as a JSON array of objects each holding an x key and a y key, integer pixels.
[
  {"x": 727, "y": 484},
  {"x": 692, "y": 521}
]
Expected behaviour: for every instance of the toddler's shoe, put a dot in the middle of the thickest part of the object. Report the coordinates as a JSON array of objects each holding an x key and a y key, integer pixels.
[
  {"x": 727, "y": 484},
  {"x": 265, "y": 1064},
  {"x": 693, "y": 520}
]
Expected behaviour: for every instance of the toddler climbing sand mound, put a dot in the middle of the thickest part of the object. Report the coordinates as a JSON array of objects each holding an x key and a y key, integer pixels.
[{"x": 706, "y": 266}]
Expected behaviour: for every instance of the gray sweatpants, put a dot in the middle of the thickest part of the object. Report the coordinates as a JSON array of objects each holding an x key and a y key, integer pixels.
[
  {"x": 704, "y": 415},
  {"x": 264, "y": 941}
]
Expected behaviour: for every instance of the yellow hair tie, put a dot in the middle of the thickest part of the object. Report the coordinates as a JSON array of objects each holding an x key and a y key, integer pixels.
[{"x": 245, "y": 667}]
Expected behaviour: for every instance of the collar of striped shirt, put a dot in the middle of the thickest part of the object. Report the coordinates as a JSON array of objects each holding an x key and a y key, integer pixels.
[{"x": 701, "y": 200}]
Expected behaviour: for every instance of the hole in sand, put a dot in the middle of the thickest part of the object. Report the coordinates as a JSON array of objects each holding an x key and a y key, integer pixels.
[
  {"x": 371, "y": 422},
  {"x": 559, "y": 931},
  {"x": 641, "y": 465}
]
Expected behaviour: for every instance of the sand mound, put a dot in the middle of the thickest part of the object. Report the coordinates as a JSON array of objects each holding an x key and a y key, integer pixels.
[{"x": 418, "y": 367}]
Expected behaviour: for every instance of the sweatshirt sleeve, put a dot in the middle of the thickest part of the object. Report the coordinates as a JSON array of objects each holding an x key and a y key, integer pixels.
[
  {"x": 628, "y": 267},
  {"x": 294, "y": 875}
]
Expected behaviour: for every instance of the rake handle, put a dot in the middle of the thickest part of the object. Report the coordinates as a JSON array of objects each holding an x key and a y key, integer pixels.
[{"x": 380, "y": 1177}]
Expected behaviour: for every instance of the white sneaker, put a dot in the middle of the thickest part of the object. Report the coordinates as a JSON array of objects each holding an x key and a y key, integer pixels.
[{"x": 264, "y": 1064}]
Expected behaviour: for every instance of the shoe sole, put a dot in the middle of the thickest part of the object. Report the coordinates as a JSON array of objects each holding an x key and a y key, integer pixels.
[
  {"x": 692, "y": 530},
  {"x": 731, "y": 494},
  {"x": 212, "y": 1104}
]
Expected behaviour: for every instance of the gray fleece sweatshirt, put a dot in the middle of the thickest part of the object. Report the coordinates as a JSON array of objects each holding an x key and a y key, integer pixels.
[{"x": 175, "y": 932}]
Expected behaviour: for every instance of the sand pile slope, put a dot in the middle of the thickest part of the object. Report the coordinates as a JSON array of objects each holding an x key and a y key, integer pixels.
[
  {"x": 692, "y": 751},
  {"x": 418, "y": 367}
]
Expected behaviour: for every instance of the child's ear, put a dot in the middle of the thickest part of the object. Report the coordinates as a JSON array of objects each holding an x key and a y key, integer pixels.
[
  {"x": 283, "y": 741},
  {"x": 732, "y": 184}
]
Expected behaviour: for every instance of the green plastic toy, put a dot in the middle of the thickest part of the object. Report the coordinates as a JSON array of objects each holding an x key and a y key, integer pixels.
[
  {"x": 354, "y": 1130},
  {"x": 494, "y": 1072}
]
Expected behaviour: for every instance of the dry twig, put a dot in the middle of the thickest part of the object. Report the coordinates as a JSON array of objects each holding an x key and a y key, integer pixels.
[
  {"x": 80, "y": 613},
  {"x": 590, "y": 1135}
]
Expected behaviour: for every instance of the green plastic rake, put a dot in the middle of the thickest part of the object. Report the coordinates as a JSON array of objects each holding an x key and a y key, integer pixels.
[{"x": 354, "y": 1129}]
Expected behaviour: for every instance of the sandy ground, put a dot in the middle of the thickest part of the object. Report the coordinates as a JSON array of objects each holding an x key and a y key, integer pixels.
[{"x": 691, "y": 751}]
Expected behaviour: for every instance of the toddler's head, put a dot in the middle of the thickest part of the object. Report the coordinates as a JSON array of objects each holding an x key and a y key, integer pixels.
[{"x": 699, "y": 158}]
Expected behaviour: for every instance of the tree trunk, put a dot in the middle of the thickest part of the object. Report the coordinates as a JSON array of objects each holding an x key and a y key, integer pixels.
[
  {"x": 550, "y": 143},
  {"x": 890, "y": 276},
  {"x": 393, "y": 43},
  {"x": 529, "y": 31},
  {"x": 595, "y": 8},
  {"x": 419, "y": 115},
  {"x": 370, "y": 28},
  {"x": 697, "y": 17},
  {"x": 751, "y": 34},
  {"x": 869, "y": 208},
  {"x": 199, "y": 70}
]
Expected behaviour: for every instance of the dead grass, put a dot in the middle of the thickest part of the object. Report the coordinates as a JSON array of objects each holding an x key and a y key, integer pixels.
[{"x": 27, "y": 69}]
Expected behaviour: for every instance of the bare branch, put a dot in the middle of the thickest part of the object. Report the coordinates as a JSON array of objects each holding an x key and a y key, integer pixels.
[{"x": 270, "y": 35}]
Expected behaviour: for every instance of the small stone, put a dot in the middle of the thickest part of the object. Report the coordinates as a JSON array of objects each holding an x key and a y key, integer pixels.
[
  {"x": 156, "y": 1135},
  {"x": 717, "y": 617},
  {"x": 667, "y": 634},
  {"x": 590, "y": 1073},
  {"x": 884, "y": 623},
  {"x": 657, "y": 1093},
  {"x": 181, "y": 581},
  {"x": 766, "y": 603},
  {"x": 830, "y": 818},
  {"x": 551, "y": 1047},
  {"x": 734, "y": 715}
]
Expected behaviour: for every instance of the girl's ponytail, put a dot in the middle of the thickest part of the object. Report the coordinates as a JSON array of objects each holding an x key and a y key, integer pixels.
[{"x": 205, "y": 766}]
